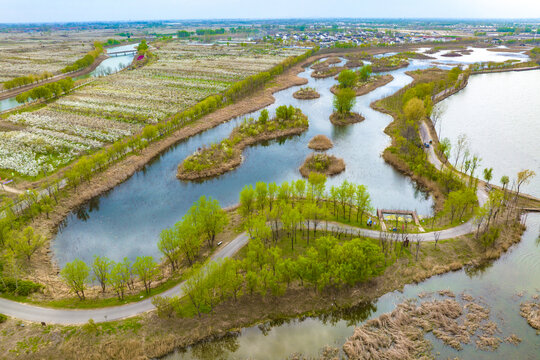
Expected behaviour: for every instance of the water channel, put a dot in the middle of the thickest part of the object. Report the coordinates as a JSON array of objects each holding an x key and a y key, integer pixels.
[{"x": 126, "y": 221}]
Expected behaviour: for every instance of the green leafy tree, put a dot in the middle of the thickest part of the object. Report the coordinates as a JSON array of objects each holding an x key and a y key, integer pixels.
[
  {"x": 169, "y": 245},
  {"x": 347, "y": 79},
  {"x": 101, "y": 267},
  {"x": 147, "y": 270},
  {"x": 488, "y": 175},
  {"x": 414, "y": 110},
  {"x": 75, "y": 275},
  {"x": 364, "y": 73},
  {"x": 209, "y": 217},
  {"x": 143, "y": 46},
  {"x": 119, "y": 278},
  {"x": 344, "y": 100},
  {"x": 189, "y": 240},
  {"x": 26, "y": 243},
  {"x": 247, "y": 201}
]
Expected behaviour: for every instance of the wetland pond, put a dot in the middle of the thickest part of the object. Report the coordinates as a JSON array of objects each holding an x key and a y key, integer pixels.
[
  {"x": 127, "y": 220},
  {"x": 499, "y": 113}
]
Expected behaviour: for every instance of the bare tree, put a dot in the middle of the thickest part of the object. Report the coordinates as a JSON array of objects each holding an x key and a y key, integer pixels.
[{"x": 437, "y": 236}]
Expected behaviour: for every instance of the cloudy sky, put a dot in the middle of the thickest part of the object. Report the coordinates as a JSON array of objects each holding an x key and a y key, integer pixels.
[{"x": 13, "y": 11}]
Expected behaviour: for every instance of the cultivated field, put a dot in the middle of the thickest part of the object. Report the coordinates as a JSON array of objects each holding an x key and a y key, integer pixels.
[
  {"x": 120, "y": 104},
  {"x": 22, "y": 55}
]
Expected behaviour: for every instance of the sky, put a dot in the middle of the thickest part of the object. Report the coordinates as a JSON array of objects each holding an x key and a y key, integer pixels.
[{"x": 17, "y": 11}]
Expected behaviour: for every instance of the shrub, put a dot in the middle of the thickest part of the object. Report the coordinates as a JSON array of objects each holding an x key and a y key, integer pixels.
[
  {"x": 19, "y": 287},
  {"x": 3, "y": 318}
]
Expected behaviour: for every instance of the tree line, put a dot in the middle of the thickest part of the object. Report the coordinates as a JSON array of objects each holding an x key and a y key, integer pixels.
[
  {"x": 47, "y": 91},
  {"x": 86, "y": 60}
]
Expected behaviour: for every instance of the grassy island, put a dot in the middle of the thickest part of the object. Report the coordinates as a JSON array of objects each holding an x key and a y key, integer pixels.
[
  {"x": 306, "y": 93},
  {"x": 390, "y": 63},
  {"x": 320, "y": 143},
  {"x": 367, "y": 86},
  {"x": 225, "y": 156},
  {"x": 322, "y": 163}
]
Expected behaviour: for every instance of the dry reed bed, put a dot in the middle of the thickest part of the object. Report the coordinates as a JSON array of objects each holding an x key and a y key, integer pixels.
[
  {"x": 401, "y": 333},
  {"x": 306, "y": 94},
  {"x": 320, "y": 143},
  {"x": 530, "y": 311}
]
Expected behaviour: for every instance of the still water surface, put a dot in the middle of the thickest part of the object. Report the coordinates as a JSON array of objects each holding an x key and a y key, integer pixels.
[{"x": 500, "y": 114}]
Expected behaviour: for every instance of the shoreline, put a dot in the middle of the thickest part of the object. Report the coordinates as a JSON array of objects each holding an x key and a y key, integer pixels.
[{"x": 237, "y": 157}]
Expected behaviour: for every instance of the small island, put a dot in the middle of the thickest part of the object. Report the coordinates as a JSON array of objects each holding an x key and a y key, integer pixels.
[
  {"x": 306, "y": 93},
  {"x": 327, "y": 72},
  {"x": 320, "y": 143},
  {"x": 390, "y": 63},
  {"x": 345, "y": 97},
  {"x": 367, "y": 86},
  {"x": 338, "y": 118},
  {"x": 227, "y": 155},
  {"x": 322, "y": 163}
]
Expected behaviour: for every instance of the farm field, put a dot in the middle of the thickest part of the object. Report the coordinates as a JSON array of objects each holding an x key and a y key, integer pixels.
[
  {"x": 119, "y": 105},
  {"x": 21, "y": 55}
]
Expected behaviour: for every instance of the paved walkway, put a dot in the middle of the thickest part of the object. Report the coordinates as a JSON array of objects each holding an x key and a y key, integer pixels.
[{"x": 59, "y": 316}]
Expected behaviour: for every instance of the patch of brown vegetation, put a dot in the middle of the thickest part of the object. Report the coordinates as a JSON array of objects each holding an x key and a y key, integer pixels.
[
  {"x": 322, "y": 163},
  {"x": 320, "y": 143},
  {"x": 452, "y": 54},
  {"x": 401, "y": 333},
  {"x": 530, "y": 311},
  {"x": 345, "y": 119},
  {"x": 354, "y": 63},
  {"x": 236, "y": 159},
  {"x": 368, "y": 86},
  {"x": 327, "y": 72},
  {"x": 306, "y": 94}
]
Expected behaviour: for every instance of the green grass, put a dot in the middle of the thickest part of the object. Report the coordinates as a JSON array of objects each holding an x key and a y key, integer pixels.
[{"x": 76, "y": 303}]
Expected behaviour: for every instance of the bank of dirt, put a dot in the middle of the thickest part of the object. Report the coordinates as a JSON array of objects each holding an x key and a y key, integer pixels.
[
  {"x": 346, "y": 119},
  {"x": 334, "y": 166},
  {"x": 303, "y": 94}
]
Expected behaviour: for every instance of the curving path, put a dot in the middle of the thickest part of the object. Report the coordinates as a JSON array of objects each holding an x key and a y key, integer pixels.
[{"x": 59, "y": 316}]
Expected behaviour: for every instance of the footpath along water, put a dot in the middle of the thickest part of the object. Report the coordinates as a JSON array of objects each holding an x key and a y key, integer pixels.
[
  {"x": 126, "y": 221},
  {"x": 498, "y": 285},
  {"x": 499, "y": 113}
]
